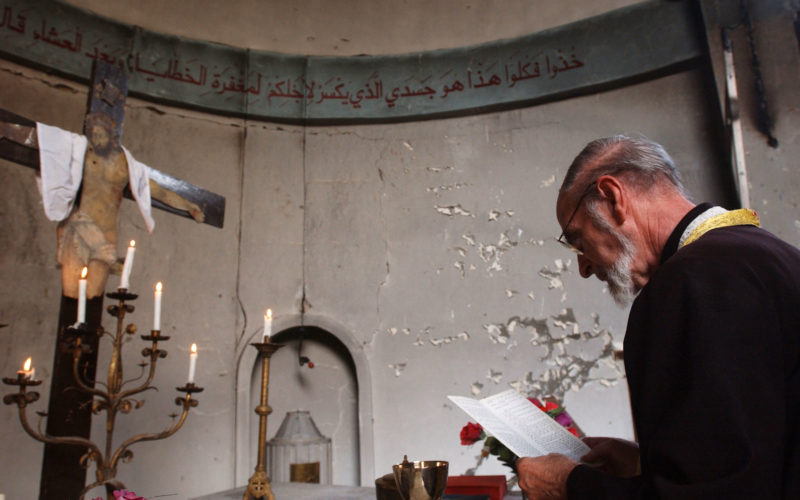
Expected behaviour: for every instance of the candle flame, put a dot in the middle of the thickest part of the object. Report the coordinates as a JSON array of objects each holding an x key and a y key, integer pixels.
[
  {"x": 159, "y": 286},
  {"x": 194, "y": 348},
  {"x": 84, "y": 272},
  {"x": 133, "y": 243},
  {"x": 27, "y": 365},
  {"x": 269, "y": 314}
]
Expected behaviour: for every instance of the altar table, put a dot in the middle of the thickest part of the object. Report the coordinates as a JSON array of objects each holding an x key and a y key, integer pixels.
[
  {"x": 305, "y": 491},
  {"x": 302, "y": 491}
]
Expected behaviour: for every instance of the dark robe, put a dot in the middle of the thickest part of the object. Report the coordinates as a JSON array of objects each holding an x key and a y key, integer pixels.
[{"x": 712, "y": 355}]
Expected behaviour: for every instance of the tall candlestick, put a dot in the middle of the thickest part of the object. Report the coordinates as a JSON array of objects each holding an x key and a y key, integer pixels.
[
  {"x": 82, "y": 296},
  {"x": 267, "y": 324},
  {"x": 192, "y": 364},
  {"x": 157, "y": 308},
  {"x": 127, "y": 266}
]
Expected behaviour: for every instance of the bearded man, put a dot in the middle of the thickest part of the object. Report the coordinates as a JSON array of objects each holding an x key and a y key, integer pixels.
[{"x": 712, "y": 347}]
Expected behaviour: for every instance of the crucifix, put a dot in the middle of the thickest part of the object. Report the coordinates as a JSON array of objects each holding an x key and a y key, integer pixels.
[{"x": 87, "y": 236}]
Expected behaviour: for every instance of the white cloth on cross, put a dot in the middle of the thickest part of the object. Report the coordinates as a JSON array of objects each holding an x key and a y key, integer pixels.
[
  {"x": 61, "y": 165},
  {"x": 61, "y": 156},
  {"x": 140, "y": 187}
]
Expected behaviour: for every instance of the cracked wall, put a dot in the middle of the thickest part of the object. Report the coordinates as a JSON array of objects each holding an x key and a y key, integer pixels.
[{"x": 449, "y": 232}]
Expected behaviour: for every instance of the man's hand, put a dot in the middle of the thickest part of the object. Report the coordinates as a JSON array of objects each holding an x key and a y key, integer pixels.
[
  {"x": 616, "y": 456},
  {"x": 545, "y": 478}
]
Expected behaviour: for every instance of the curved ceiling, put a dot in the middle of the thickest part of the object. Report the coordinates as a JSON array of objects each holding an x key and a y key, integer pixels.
[{"x": 349, "y": 27}]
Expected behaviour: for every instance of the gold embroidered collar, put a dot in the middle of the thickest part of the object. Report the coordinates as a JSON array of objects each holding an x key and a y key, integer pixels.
[{"x": 740, "y": 217}]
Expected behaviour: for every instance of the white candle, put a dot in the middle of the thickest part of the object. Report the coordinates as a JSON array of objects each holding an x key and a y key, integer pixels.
[
  {"x": 27, "y": 372},
  {"x": 157, "y": 308},
  {"x": 126, "y": 268},
  {"x": 192, "y": 363},
  {"x": 82, "y": 296},
  {"x": 267, "y": 324}
]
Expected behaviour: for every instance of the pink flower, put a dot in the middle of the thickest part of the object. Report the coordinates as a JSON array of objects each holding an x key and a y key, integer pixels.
[
  {"x": 126, "y": 495},
  {"x": 564, "y": 419}
]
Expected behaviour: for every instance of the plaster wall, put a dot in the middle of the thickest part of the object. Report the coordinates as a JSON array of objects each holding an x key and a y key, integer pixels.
[{"x": 428, "y": 245}]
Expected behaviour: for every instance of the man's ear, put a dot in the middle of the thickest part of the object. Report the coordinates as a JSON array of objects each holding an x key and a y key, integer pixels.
[{"x": 613, "y": 190}]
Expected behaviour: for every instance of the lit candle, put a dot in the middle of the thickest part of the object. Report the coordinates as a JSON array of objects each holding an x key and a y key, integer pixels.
[
  {"x": 157, "y": 308},
  {"x": 27, "y": 372},
  {"x": 192, "y": 363},
  {"x": 126, "y": 268},
  {"x": 82, "y": 296},
  {"x": 267, "y": 324}
]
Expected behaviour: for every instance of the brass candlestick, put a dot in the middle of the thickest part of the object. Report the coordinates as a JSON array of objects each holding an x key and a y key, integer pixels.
[
  {"x": 113, "y": 400},
  {"x": 258, "y": 486}
]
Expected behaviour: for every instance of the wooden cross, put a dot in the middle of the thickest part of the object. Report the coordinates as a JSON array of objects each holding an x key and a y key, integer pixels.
[{"x": 69, "y": 409}]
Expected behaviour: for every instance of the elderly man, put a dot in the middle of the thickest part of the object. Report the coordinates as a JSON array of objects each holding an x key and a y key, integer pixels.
[{"x": 712, "y": 347}]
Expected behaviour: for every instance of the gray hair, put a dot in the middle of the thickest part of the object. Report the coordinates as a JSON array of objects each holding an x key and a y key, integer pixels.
[{"x": 641, "y": 162}]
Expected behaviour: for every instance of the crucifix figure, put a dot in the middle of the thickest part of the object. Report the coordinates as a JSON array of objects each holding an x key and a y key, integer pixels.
[
  {"x": 84, "y": 179},
  {"x": 87, "y": 231},
  {"x": 88, "y": 235}
]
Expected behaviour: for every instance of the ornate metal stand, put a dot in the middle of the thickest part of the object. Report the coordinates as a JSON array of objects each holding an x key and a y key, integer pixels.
[
  {"x": 258, "y": 486},
  {"x": 113, "y": 400}
]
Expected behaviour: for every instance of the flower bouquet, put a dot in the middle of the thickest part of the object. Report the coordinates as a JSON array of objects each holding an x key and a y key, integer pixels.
[{"x": 472, "y": 433}]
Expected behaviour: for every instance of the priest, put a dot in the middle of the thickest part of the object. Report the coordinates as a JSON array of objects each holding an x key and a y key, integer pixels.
[{"x": 712, "y": 347}]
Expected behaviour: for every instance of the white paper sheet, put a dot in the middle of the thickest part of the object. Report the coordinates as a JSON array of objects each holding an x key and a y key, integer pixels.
[{"x": 521, "y": 426}]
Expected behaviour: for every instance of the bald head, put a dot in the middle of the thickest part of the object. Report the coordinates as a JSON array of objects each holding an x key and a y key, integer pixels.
[{"x": 642, "y": 163}]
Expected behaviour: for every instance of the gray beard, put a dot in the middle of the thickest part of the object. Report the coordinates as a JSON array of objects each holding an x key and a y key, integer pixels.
[{"x": 618, "y": 277}]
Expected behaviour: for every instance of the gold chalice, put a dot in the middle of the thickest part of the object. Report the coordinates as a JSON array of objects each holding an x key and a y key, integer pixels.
[{"x": 424, "y": 480}]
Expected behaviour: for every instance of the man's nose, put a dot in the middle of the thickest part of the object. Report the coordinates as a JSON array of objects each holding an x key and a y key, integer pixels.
[{"x": 584, "y": 266}]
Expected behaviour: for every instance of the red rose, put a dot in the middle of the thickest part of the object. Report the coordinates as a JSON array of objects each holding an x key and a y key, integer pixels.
[
  {"x": 546, "y": 406},
  {"x": 471, "y": 433},
  {"x": 550, "y": 406},
  {"x": 573, "y": 430}
]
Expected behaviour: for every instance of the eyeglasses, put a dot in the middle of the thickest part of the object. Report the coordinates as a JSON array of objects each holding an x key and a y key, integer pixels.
[{"x": 563, "y": 239}]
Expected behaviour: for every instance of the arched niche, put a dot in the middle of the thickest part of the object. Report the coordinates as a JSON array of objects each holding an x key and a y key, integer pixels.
[{"x": 335, "y": 346}]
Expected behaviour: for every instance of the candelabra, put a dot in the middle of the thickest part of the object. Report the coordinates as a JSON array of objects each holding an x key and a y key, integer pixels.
[
  {"x": 258, "y": 486},
  {"x": 113, "y": 400}
]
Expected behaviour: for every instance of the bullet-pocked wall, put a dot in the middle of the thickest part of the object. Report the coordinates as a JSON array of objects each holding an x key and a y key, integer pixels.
[{"x": 427, "y": 246}]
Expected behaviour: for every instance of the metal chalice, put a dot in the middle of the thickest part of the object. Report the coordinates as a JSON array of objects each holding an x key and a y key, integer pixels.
[{"x": 423, "y": 480}]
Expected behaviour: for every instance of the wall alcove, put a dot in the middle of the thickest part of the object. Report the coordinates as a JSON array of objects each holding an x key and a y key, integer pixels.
[{"x": 333, "y": 391}]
